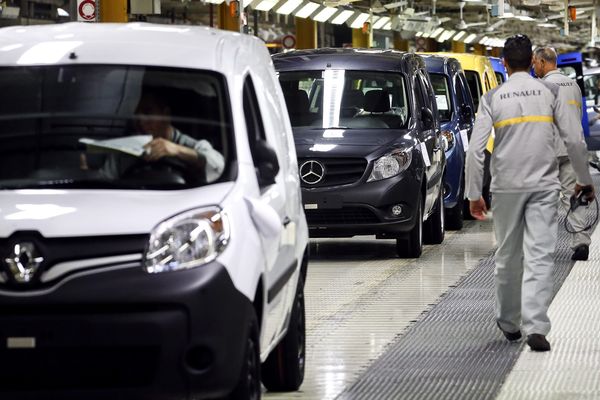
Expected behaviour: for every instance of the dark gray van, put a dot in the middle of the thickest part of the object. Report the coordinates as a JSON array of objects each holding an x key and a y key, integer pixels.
[{"x": 370, "y": 150}]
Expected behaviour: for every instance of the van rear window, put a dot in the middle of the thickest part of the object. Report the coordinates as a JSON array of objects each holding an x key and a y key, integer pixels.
[{"x": 106, "y": 126}]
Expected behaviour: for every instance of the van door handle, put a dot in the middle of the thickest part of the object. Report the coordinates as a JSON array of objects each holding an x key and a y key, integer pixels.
[{"x": 286, "y": 221}]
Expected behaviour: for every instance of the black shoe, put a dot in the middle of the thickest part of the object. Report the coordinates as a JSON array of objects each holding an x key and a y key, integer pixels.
[
  {"x": 538, "y": 342},
  {"x": 510, "y": 336},
  {"x": 581, "y": 253}
]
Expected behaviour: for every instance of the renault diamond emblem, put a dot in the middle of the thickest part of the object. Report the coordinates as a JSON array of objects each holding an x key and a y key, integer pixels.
[
  {"x": 312, "y": 172},
  {"x": 23, "y": 262}
]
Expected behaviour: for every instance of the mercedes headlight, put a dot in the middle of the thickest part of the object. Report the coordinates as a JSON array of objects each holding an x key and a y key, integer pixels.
[
  {"x": 449, "y": 138},
  {"x": 187, "y": 240},
  {"x": 390, "y": 165}
]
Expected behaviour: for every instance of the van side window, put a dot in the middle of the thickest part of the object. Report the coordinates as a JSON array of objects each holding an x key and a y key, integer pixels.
[
  {"x": 254, "y": 122},
  {"x": 474, "y": 87}
]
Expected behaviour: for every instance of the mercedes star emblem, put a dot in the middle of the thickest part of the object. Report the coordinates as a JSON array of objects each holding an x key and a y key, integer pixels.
[{"x": 312, "y": 172}]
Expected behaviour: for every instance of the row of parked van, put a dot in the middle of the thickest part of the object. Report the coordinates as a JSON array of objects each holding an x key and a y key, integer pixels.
[
  {"x": 381, "y": 137},
  {"x": 154, "y": 198}
]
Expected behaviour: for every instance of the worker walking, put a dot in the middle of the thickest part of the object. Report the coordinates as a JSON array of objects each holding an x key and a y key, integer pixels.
[
  {"x": 544, "y": 65},
  {"x": 524, "y": 188}
]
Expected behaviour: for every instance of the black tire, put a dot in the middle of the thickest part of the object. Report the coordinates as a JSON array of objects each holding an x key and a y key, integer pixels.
[
  {"x": 283, "y": 371},
  {"x": 435, "y": 229},
  {"x": 249, "y": 386},
  {"x": 410, "y": 244},
  {"x": 455, "y": 216}
]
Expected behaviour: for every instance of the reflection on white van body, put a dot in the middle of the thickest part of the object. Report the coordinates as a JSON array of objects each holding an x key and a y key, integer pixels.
[{"x": 152, "y": 238}]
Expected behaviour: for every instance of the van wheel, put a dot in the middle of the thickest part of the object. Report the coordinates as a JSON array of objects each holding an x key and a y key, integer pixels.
[
  {"x": 248, "y": 386},
  {"x": 284, "y": 368},
  {"x": 435, "y": 229},
  {"x": 455, "y": 215},
  {"x": 410, "y": 244}
]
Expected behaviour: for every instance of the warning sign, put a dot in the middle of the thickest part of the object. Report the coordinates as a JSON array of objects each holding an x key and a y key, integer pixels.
[
  {"x": 288, "y": 41},
  {"x": 86, "y": 10}
]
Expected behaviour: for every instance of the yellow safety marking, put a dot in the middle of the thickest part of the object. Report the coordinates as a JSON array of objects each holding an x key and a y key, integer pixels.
[
  {"x": 520, "y": 120},
  {"x": 574, "y": 103}
]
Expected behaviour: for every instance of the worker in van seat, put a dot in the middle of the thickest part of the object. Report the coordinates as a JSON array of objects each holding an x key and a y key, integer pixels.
[{"x": 154, "y": 118}]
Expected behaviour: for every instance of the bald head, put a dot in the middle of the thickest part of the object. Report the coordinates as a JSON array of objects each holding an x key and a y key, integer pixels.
[{"x": 544, "y": 61}]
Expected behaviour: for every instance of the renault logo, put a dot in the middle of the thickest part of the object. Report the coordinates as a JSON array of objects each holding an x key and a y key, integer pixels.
[
  {"x": 23, "y": 262},
  {"x": 312, "y": 172}
]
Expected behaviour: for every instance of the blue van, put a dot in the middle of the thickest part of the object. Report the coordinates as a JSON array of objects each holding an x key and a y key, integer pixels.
[
  {"x": 457, "y": 115},
  {"x": 499, "y": 69}
]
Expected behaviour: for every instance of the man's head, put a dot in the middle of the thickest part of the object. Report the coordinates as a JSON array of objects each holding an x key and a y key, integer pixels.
[
  {"x": 154, "y": 115},
  {"x": 517, "y": 53},
  {"x": 544, "y": 61}
]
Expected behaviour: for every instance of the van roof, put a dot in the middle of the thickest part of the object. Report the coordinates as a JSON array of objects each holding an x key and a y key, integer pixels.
[
  {"x": 130, "y": 44},
  {"x": 341, "y": 58}
]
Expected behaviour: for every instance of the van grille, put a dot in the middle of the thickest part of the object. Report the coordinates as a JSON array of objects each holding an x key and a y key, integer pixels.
[{"x": 338, "y": 171}]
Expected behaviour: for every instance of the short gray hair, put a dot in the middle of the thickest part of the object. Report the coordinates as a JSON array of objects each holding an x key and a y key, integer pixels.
[{"x": 548, "y": 54}]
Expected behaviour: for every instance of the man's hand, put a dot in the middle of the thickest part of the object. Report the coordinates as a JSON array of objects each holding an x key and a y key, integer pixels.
[
  {"x": 159, "y": 148},
  {"x": 589, "y": 193},
  {"x": 478, "y": 209}
]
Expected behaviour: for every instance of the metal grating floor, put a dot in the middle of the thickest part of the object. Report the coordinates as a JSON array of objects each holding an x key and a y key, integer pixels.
[{"x": 379, "y": 327}]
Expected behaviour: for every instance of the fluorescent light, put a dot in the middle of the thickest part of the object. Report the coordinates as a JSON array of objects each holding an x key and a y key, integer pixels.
[
  {"x": 445, "y": 36},
  {"x": 288, "y": 7},
  {"x": 426, "y": 35},
  {"x": 359, "y": 21},
  {"x": 325, "y": 14},
  {"x": 214, "y": 1},
  {"x": 246, "y": 3},
  {"x": 381, "y": 22},
  {"x": 483, "y": 40},
  {"x": 418, "y": 34},
  {"x": 342, "y": 17},
  {"x": 524, "y": 18},
  {"x": 459, "y": 35},
  {"x": 266, "y": 5},
  {"x": 388, "y": 26},
  {"x": 547, "y": 25},
  {"x": 470, "y": 38},
  {"x": 307, "y": 10},
  {"x": 436, "y": 33}
]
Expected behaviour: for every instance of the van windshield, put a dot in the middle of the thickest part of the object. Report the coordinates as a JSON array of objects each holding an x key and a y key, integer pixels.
[
  {"x": 346, "y": 99},
  {"x": 117, "y": 127}
]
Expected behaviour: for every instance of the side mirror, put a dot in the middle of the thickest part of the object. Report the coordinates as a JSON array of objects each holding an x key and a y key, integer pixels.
[
  {"x": 427, "y": 118},
  {"x": 267, "y": 164},
  {"x": 466, "y": 113}
]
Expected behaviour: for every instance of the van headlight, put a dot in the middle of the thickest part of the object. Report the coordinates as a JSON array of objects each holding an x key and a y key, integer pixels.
[
  {"x": 187, "y": 240},
  {"x": 390, "y": 165}
]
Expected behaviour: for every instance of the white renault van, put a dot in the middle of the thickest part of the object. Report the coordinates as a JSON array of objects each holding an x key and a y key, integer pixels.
[{"x": 152, "y": 237}]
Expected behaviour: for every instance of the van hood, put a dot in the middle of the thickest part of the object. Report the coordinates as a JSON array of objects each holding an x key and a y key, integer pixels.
[
  {"x": 64, "y": 213},
  {"x": 349, "y": 142}
]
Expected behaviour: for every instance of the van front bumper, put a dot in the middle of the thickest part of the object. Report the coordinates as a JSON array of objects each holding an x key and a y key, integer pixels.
[{"x": 124, "y": 334}]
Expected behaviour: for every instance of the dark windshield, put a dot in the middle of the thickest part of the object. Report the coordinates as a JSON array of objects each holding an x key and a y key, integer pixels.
[
  {"x": 96, "y": 126},
  {"x": 442, "y": 96},
  {"x": 499, "y": 77},
  {"x": 474, "y": 86},
  {"x": 346, "y": 99}
]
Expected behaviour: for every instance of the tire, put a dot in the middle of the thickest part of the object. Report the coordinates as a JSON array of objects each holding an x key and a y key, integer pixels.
[
  {"x": 435, "y": 228},
  {"x": 248, "y": 386},
  {"x": 283, "y": 371},
  {"x": 455, "y": 216},
  {"x": 410, "y": 245}
]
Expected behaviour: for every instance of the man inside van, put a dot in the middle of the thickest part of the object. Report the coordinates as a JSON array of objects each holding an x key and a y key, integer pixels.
[
  {"x": 154, "y": 118},
  {"x": 544, "y": 65},
  {"x": 525, "y": 185}
]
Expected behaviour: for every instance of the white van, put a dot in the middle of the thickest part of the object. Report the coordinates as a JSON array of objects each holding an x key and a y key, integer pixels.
[{"x": 152, "y": 237}]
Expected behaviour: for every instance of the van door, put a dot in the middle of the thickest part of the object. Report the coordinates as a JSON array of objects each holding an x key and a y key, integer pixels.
[
  {"x": 429, "y": 136},
  {"x": 280, "y": 263}
]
